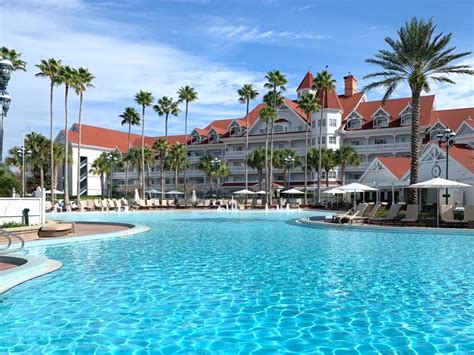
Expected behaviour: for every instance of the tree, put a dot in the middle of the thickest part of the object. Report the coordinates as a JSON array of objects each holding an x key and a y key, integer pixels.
[
  {"x": 101, "y": 167},
  {"x": 68, "y": 77},
  {"x": 144, "y": 99},
  {"x": 276, "y": 83},
  {"x": 345, "y": 156},
  {"x": 8, "y": 182},
  {"x": 177, "y": 161},
  {"x": 313, "y": 160},
  {"x": 309, "y": 103},
  {"x": 280, "y": 161},
  {"x": 186, "y": 94},
  {"x": 328, "y": 162},
  {"x": 417, "y": 57},
  {"x": 256, "y": 160},
  {"x": 14, "y": 57},
  {"x": 83, "y": 81},
  {"x": 150, "y": 159},
  {"x": 267, "y": 115},
  {"x": 323, "y": 83},
  {"x": 213, "y": 170},
  {"x": 161, "y": 148},
  {"x": 129, "y": 117},
  {"x": 165, "y": 107},
  {"x": 134, "y": 158},
  {"x": 51, "y": 69},
  {"x": 38, "y": 145},
  {"x": 246, "y": 93},
  {"x": 59, "y": 156}
]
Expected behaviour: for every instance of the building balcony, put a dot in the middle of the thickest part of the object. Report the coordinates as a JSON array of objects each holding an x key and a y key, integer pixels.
[{"x": 388, "y": 147}]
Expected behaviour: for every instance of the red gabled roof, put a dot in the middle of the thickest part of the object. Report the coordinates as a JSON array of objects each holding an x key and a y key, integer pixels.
[
  {"x": 201, "y": 131},
  {"x": 453, "y": 118},
  {"x": 331, "y": 100},
  {"x": 172, "y": 139},
  {"x": 101, "y": 137},
  {"x": 254, "y": 113},
  {"x": 398, "y": 166},
  {"x": 294, "y": 106},
  {"x": 307, "y": 81},
  {"x": 462, "y": 153},
  {"x": 220, "y": 126},
  {"x": 349, "y": 102}
]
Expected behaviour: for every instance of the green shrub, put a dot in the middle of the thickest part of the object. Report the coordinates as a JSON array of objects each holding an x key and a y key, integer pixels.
[
  {"x": 426, "y": 214},
  {"x": 12, "y": 225},
  {"x": 381, "y": 214},
  {"x": 402, "y": 214}
]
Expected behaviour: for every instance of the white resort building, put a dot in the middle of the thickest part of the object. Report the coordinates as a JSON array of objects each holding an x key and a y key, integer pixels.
[{"x": 379, "y": 133}]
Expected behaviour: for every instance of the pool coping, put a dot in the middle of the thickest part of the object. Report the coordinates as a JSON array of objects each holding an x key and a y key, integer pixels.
[{"x": 377, "y": 228}]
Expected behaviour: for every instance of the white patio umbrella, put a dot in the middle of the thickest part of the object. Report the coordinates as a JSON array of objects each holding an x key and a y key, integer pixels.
[
  {"x": 261, "y": 192},
  {"x": 355, "y": 187},
  {"x": 243, "y": 192},
  {"x": 438, "y": 183},
  {"x": 153, "y": 191},
  {"x": 334, "y": 191},
  {"x": 293, "y": 192},
  {"x": 55, "y": 191},
  {"x": 193, "y": 197},
  {"x": 174, "y": 192},
  {"x": 136, "y": 197}
]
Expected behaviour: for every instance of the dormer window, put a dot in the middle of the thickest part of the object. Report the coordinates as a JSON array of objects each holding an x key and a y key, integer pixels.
[
  {"x": 405, "y": 117},
  {"x": 235, "y": 129},
  {"x": 437, "y": 128},
  {"x": 380, "y": 119},
  {"x": 354, "y": 121},
  {"x": 213, "y": 136}
]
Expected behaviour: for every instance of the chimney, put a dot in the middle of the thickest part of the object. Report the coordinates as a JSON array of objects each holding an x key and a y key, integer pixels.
[{"x": 350, "y": 85}]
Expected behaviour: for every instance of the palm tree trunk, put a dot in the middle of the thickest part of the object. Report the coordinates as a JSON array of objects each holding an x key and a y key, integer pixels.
[
  {"x": 343, "y": 174},
  {"x": 320, "y": 147},
  {"x": 327, "y": 178},
  {"x": 142, "y": 179},
  {"x": 259, "y": 172},
  {"x": 270, "y": 178},
  {"x": 51, "y": 122},
  {"x": 266, "y": 162},
  {"x": 186, "y": 147},
  {"x": 415, "y": 146},
  {"x": 162, "y": 177},
  {"x": 66, "y": 150},
  {"x": 176, "y": 178},
  {"x": 41, "y": 175},
  {"x": 79, "y": 151},
  {"x": 308, "y": 118},
  {"x": 126, "y": 163},
  {"x": 247, "y": 147}
]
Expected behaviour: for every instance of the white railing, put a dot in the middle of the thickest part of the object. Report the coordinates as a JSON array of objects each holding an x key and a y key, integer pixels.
[{"x": 387, "y": 147}]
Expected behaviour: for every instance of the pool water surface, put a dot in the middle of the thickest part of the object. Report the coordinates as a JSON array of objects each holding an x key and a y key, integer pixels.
[{"x": 246, "y": 282}]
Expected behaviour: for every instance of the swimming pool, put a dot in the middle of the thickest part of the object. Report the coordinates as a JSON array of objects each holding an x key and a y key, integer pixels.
[{"x": 246, "y": 281}]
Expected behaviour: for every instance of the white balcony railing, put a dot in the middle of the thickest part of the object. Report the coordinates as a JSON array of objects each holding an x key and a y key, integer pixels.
[{"x": 388, "y": 147}]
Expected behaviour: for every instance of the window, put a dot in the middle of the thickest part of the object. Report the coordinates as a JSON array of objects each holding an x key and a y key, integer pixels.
[
  {"x": 354, "y": 121},
  {"x": 262, "y": 131},
  {"x": 332, "y": 174},
  {"x": 332, "y": 122},
  {"x": 324, "y": 140},
  {"x": 332, "y": 140},
  {"x": 278, "y": 129},
  {"x": 324, "y": 123},
  {"x": 355, "y": 143},
  {"x": 380, "y": 119},
  {"x": 299, "y": 128},
  {"x": 380, "y": 141},
  {"x": 405, "y": 119}
]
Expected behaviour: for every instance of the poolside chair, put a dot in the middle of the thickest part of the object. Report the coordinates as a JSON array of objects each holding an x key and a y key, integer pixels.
[
  {"x": 447, "y": 215},
  {"x": 468, "y": 214},
  {"x": 353, "y": 218},
  {"x": 337, "y": 217},
  {"x": 48, "y": 206},
  {"x": 189, "y": 204},
  {"x": 369, "y": 213},
  {"x": 171, "y": 204},
  {"x": 181, "y": 203},
  {"x": 142, "y": 205},
  {"x": 149, "y": 204},
  {"x": 105, "y": 205},
  {"x": 391, "y": 215},
  {"x": 98, "y": 205},
  {"x": 118, "y": 204},
  {"x": 411, "y": 216},
  {"x": 200, "y": 204},
  {"x": 90, "y": 205},
  {"x": 207, "y": 203},
  {"x": 125, "y": 205}
]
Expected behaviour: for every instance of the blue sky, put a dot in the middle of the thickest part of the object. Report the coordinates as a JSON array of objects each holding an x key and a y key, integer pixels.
[{"x": 215, "y": 46}]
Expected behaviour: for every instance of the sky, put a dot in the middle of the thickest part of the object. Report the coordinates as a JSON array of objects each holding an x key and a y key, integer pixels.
[{"x": 215, "y": 46}]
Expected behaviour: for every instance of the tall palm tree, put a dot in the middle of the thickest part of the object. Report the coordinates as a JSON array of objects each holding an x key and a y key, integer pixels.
[
  {"x": 129, "y": 117},
  {"x": 246, "y": 93},
  {"x": 186, "y": 94},
  {"x": 256, "y": 160},
  {"x": 280, "y": 162},
  {"x": 346, "y": 155},
  {"x": 38, "y": 145},
  {"x": 309, "y": 103},
  {"x": 134, "y": 158},
  {"x": 267, "y": 115},
  {"x": 59, "y": 156},
  {"x": 83, "y": 81},
  {"x": 150, "y": 159},
  {"x": 68, "y": 77},
  {"x": 323, "y": 83},
  {"x": 276, "y": 83},
  {"x": 8, "y": 182},
  {"x": 165, "y": 107},
  {"x": 417, "y": 57},
  {"x": 101, "y": 167},
  {"x": 144, "y": 99},
  {"x": 313, "y": 160},
  {"x": 177, "y": 160},
  {"x": 328, "y": 162},
  {"x": 51, "y": 69},
  {"x": 161, "y": 148},
  {"x": 14, "y": 57},
  {"x": 214, "y": 171}
]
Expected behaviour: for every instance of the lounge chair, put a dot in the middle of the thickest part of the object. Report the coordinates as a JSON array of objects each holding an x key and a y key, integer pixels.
[
  {"x": 48, "y": 206},
  {"x": 337, "y": 217},
  {"x": 142, "y": 205},
  {"x": 369, "y": 213},
  {"x": 171, "y": 204},
  {"x": 105, "y": 205},
  {"x": 468, "y": 214},
  {"x": 90, "y": 205},
  {"x": 149, "y": 204},
  {"x": 391, "y": 215},
  {"x": 447, "y": 215},
  {"x": 353, "y": 218},
  {"x": 207, "y": 204},
  {"x": 411, "y": 216}
]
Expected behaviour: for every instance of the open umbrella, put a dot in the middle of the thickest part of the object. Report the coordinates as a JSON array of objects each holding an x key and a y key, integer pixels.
[
  {"x": 293, "y": 192},
  {"x": 136, "y": 198},
  {"x": 153, "y": 191},
  {"x": 193, "y": 197},
  {"x": 55, "y": 191},
  {"x": 174, "y": 192},
  {"x": 243, "y": 192},
  {"x": 261, "y": 192},
  {"x": 438, "y": 183},
  {"x": 355, "y": 187}
]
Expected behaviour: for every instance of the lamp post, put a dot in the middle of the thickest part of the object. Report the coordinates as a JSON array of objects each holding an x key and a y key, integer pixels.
[
  {"x": 216, "y": 164},
  {"x": 22, "y": 152},
  {"x": 289, "y": 161},
  {"x": 6, "y": 68},
  {"x": 447, "y": 136}
]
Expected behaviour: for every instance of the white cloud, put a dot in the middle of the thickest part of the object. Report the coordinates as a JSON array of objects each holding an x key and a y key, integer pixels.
[{"x": 254, "y": 34}]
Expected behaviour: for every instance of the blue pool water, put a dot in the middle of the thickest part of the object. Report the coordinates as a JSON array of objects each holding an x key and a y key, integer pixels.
[{"x": 246, "y": 282}]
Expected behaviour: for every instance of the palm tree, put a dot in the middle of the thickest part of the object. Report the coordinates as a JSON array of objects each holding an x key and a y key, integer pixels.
[
  {"x": 309, "y": 103},
  {"x": 417, "y": 57},
  {"x": 313, "y": 160},
  {"x": 328, "y": 162},
  {"x": 59, "y": 155},
  {"x": 165, "y": 107},
  {"x": 177, "y": 160},
  {"x": 256, "y": 160},
  {"x": 101, "y": 167},
  {"x": 129, "y": 117},
  {"x": 149, "y": 161},
  {"x": 246, "y": 93},
  {"x": 267, "y": 115},
  {"x": 83, "y": 81},
  {"x": 275, "y": 81},
  {"x": 51, "y": 69},
  {"x": 345, "y": 156},
  {"x": 323, "y": 83},
  {"x": 144, "y": 99},
  {"x": 214, "y": 171},
  {"x": 186, "y": 94},
  {"x": 280, "y": 161},
  {"x": 39, "y": 147},
  {"x": 8, "y": 182},
  {"x": 161, "y": 148},
  {"x": 68, "y": 77},
  {"x": 14, "y": 57},
  {"x": 134, "y": 158}
]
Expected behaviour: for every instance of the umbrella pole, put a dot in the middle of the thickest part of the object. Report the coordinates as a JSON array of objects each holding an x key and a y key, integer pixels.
[{"x": 437, "y": 208}]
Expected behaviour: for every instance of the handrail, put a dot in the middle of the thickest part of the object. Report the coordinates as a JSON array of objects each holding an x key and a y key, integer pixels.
[{"x": 9, "y": 236}]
